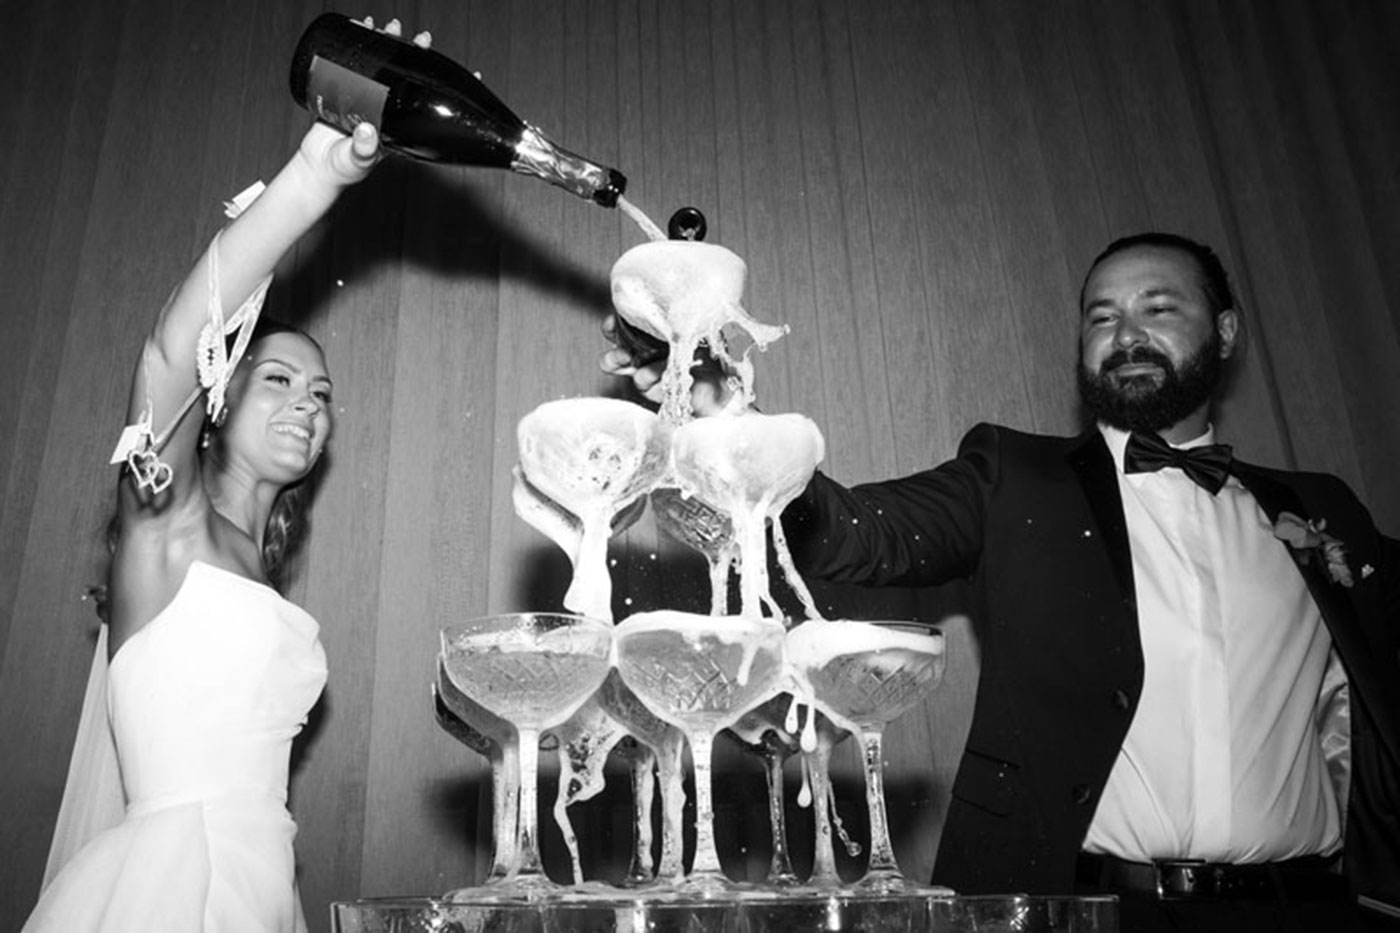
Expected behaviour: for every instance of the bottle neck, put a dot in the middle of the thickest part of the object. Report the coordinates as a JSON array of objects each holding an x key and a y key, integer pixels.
[{"x": 536, "y": 155}]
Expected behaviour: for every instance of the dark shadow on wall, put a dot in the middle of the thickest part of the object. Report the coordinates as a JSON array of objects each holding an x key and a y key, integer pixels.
[{"x": 435, "y": 217}]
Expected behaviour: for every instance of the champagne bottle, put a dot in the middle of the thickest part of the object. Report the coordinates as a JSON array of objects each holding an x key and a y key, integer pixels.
[{"x": 427, "y": 106}]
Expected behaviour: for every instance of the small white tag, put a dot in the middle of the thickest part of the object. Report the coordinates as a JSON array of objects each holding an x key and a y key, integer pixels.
[
  {"x": 242, "y": 199},
  {"x": 130, "y": 440}
]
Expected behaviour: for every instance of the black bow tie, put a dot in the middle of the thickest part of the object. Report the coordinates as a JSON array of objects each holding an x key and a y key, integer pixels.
[{"x": 1207, "y": 466}]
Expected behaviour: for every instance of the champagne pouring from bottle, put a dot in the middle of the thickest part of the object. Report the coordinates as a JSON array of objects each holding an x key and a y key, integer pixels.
[{"x": 429, "y": 107}]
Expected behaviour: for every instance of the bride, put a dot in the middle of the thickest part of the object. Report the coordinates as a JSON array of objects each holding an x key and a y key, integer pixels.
[{"x": 212, "y": 672}]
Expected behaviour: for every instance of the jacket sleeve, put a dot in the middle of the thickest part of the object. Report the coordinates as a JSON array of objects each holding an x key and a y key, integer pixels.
[
  {"x": 1390, "y": 566},
  {"x": 917, "y": 530}
]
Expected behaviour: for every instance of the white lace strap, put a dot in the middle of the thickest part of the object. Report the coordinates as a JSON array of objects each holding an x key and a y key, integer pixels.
[
  {"x": 139, "y": 446},
  {"x": 214, "y": 365}
]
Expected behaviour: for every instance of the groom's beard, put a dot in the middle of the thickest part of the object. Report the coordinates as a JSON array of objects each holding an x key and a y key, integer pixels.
[{"x": 1140, "y": 403}]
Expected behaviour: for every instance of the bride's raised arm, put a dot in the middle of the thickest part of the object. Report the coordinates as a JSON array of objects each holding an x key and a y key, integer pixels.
[{"x": 236, "y": 265}]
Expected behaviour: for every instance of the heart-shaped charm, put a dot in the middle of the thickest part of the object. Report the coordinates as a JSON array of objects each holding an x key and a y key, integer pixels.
[{"x": 150, "y": 472}]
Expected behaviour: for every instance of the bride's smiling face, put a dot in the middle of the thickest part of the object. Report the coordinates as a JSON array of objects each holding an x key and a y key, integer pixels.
[{"x": 279, "y": 408}]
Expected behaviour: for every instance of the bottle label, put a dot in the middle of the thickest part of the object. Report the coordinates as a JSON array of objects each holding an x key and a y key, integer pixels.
[{"x": 343, "y": 98}]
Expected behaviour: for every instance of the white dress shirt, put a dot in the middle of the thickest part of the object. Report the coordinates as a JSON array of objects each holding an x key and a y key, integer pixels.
[{"x": 1222, "y": 760}]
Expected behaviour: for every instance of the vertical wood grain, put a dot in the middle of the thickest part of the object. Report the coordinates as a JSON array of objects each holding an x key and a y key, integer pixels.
[{"x": 916, "y": 188}]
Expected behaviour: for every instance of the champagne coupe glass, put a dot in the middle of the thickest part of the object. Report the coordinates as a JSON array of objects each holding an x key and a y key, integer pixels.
[
  {"x": 533, "y": 669},
  {"x": 701, "y": 673},
  {"x": 864, "y": 675},
  {"x": 654, "y": 743},
  {"x": 748, "y": 467},
  {"x": 764, "y": 731},
  {"x": 593, "y": 457},
  {"x": 687, "y": 293},
  {"x": 824, "y": 878},
  {"x": 613, "y": 718},
  {"x": 491, "y": 736},
  {"x": 690, "y": 521},
  {"x": 641, "y": 766},
  {"x": 583, "y": 743}
]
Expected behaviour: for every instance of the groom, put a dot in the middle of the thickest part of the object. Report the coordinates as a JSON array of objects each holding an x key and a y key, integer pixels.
[{"x": 1188, "y": 692}]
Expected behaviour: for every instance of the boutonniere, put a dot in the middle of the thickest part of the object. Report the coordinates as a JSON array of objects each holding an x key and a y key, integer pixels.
[{"x": 1312, "y": 537}]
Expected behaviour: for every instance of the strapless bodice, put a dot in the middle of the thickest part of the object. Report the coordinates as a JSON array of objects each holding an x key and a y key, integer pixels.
[
  {"x": 206, "y": 698},
  {"x": 204, "y": 702}
]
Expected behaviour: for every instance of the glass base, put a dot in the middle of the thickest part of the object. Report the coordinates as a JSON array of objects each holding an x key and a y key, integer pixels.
[
  {"x": 702, "y": 886},
  {"x": 892, "y": 883},
  {"x": 528, "y": 889},
  {"x": 756, "y": 912}
]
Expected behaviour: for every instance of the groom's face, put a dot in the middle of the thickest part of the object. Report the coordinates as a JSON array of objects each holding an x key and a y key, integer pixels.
[{"x": 1151, "y": 347}]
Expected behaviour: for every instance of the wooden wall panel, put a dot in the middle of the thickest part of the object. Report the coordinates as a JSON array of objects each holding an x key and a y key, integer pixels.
[
  {"x": 1029, "y": 249},
  {"x": 916, "y": 188},
  {"x": 894, "y": 307},
  {"x": 1331, "y": 197},
  {"x": 1276, "y": 290},
  {"x": 1358, "y": 40},
  {"x": 43, "y": 211}
]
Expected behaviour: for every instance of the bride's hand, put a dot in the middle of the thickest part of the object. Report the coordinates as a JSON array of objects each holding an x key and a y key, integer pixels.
[
  {"x": 341, "y": 159},
  {"x": 394, "y": 28},
  {"x": 345, "y": 160}
]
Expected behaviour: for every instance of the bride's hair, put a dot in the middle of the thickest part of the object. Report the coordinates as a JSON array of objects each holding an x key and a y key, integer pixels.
[{"x": 286, "y": 530}]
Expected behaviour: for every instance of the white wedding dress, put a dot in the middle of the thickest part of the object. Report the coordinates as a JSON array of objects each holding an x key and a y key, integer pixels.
[{"x": 204, "y": 702}]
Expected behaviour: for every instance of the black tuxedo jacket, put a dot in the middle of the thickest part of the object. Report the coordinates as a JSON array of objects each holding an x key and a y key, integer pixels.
[{"x": 1036, "y": 525}]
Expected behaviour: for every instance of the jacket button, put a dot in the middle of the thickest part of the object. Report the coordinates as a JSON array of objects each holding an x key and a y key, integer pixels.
[
  {"x": 1080, "y": 794},
  {"x": 1120, "y": 700}
]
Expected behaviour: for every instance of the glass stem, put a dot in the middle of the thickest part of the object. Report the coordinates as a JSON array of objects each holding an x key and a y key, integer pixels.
[
  {"x": 824, "y": 854},
  {"x": 505, "y": 783},
  {"x": 643, "y": 790},
  {"x": 670, "y": 771},
  {"x": 780, "y": 866},
  {"x": 706, "y": 856},
  {"x": 592, "y": 594},
  {"x": 719, "y": 586},
  {"x": 881, "y": 852},
  {"x": 753, "y": 563},
  {"x": 529, "y": 854}
]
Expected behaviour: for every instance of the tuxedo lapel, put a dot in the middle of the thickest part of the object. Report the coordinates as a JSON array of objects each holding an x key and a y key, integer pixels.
[
  {"x": 1093, "y": 464},
  {"x": 1365, "y": 669},
  {"x": 1275, "y": 498}
]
